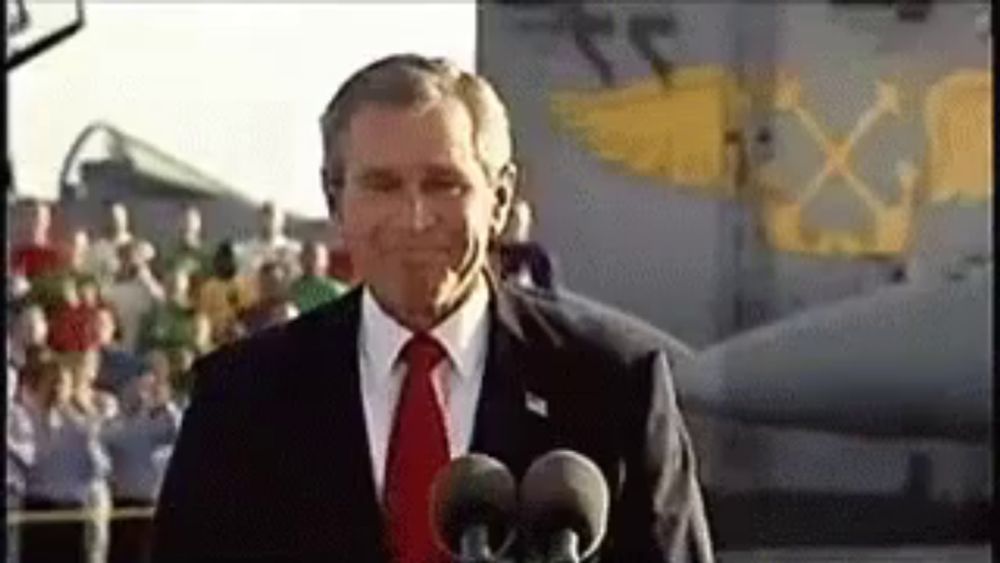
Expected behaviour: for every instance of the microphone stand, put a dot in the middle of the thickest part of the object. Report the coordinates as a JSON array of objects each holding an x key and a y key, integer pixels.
[
  {"x": 565, "y": 547},
  {"x": 475, "y": 545}
]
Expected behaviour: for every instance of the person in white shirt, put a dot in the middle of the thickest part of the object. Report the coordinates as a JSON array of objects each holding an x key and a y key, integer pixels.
[
  {"x": 104, "y": 254},
  {"x": 271, "y": 244},
  {"x": 133, "y": 293}
]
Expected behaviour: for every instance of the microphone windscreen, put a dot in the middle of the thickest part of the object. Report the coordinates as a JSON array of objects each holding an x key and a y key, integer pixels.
[
  {"x": 564, "y": 490},
  {"x": 474, "y": 489}
]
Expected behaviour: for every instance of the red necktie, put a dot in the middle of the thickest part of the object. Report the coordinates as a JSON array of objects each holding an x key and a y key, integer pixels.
[{"x": 418, "y": 448}]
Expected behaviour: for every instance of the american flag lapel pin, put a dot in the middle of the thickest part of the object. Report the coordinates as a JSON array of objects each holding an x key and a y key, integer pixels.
[{"x": 536, "y": 404}]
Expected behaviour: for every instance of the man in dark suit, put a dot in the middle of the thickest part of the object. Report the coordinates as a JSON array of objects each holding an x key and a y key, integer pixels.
[{"x": 319, "y": 438}]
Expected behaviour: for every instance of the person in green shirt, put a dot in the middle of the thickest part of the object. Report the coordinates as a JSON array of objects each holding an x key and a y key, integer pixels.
[
  {"x": 170, "y": 324},
  {"x": 314, "y": 287}
]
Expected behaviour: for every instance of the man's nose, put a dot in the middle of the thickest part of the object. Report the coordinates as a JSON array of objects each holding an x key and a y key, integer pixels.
[{"x": 418, "y": 214}]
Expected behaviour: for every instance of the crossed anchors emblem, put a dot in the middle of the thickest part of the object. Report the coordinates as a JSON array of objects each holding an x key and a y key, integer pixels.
[{"x": 784, "y": 222}]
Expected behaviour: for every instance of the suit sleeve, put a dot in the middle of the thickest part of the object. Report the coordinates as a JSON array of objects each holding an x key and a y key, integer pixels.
[
  {"x": 662, "y": 517},
  {"x": 197, "y": 515}
]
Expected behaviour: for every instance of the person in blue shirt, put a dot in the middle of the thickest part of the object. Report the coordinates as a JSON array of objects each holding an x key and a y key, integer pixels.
[
  {"x": 69, "y": 468},
  {"x": 145, "y": 426}
]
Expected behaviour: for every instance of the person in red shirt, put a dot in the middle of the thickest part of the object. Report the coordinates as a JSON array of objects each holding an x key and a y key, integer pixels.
[
  {"x": 47, "y": 290},
  {"x": 73, "y": 324},
  {"x": 36, "y": 254}
]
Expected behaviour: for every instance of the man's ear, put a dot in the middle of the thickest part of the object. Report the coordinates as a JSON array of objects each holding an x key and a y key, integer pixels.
[
  {"x": 504, "y": 190},
  {"x": 329, "y": 192}
]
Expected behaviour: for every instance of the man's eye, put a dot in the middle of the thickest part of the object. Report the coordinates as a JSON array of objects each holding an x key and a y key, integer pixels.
[
  {"x": 449, "y": 186},
  {"x": 379, "y": 185}
]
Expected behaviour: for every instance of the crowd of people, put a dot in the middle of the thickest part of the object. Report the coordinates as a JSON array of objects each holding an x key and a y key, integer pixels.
[{"x": 104, "y": 329}]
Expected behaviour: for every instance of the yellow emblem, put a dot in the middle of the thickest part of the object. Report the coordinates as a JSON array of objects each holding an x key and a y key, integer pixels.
[
  {"x": 675, "y": 133},
  {"x": 783, "y": 213},
  {"x": 959, "y": 115}
]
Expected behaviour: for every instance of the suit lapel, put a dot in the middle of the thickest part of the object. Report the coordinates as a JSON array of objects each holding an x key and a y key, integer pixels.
[
  {"x": 342, "y": 432},
  {"x": 511, "y": 422}
]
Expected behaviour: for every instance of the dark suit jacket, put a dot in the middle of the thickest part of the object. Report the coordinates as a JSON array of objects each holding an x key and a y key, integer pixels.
[{"x": 273, "y": 462}]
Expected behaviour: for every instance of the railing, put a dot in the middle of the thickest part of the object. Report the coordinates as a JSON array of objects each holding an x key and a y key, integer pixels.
[{"x": 19, "y": 517}]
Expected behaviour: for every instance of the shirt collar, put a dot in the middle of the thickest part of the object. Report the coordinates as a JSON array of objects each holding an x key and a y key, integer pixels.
[{"x": 462, "y": 334}]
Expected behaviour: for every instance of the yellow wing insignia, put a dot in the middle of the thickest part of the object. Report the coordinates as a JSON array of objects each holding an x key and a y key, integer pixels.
[
  {"x": 675, "y": 133},
  {"x": 959, "y": 121}
]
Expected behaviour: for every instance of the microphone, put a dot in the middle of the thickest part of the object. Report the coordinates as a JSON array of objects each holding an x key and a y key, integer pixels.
[
  {"x": 564, "y": 507},
  {"x": 473, "y": 507}
]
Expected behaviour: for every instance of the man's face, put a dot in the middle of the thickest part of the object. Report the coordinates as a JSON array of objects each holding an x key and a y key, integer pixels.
[
  {"x": 78, "y": 249},
  {"x": 224, "y": 265},
  {"x": 520, "y": 218},
  {"x": 130, "y": 258},
  {"x": 159, "y": 364},
  {"x": 33, "y": 327},
  {"x": 119, "y": 218},
  {"x": 314, "y": 259},
  {"x": 105, "y": 321},
  {"x": 191, "y": 224},
  {"x": 272, "y": 221},
  {"x": 273, "y": 283},
  {"x": 142, "y": 389},
  {"x": 90, "y": 293},
  {"x": 38, "y": 222},
  {"x": 417, "y": 209}
]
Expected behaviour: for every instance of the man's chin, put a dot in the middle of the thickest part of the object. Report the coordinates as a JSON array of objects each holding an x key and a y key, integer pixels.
[
  {"x": 427, "y": 301},
  {"x": 423, "y": 298}
]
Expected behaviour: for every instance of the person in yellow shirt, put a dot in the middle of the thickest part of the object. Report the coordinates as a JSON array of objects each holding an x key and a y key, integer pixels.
[{"x": 225, "y": 294}]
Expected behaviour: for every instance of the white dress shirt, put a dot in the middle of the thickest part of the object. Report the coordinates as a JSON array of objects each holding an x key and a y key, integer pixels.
[
  {"x": 131, "y": 300},
  {"x": 457, "y": 379},
  {"x": 101, "y": 258}
]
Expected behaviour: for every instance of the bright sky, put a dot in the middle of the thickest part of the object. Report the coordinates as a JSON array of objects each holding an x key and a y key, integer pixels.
[{"x": 235, "y": 88}]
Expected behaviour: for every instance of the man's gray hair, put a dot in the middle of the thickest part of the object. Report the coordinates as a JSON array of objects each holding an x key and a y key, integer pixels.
[{"x": 413, "y": 81}]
